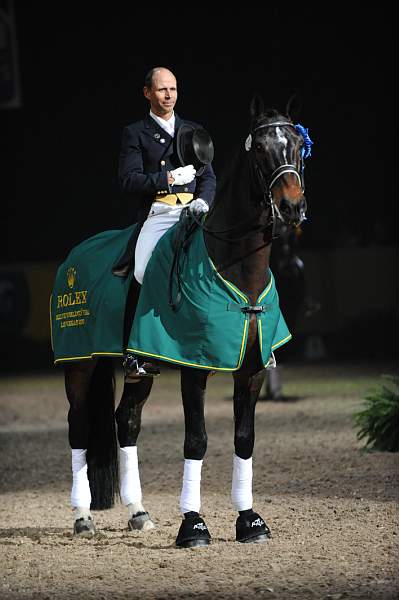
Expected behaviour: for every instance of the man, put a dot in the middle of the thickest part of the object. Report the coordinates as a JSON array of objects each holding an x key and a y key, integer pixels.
[{"x": 150, "y": 173}]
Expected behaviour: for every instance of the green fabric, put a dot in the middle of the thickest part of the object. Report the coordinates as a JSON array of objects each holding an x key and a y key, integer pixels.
[
  {"x": 87, "y": 309},
  {"x": 208, "y": 329}
]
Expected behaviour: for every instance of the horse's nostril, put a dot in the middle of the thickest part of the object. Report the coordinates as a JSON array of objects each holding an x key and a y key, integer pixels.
[
  {"x": 293, "y": 213},
  {"x": 287, "y": 207}
]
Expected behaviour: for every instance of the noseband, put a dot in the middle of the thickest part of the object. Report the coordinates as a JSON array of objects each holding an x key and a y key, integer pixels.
[{"x": 267, "y": 184}]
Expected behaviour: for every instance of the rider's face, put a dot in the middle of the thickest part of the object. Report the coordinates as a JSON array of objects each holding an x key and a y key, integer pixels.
[{"x": 163, "y": 93}]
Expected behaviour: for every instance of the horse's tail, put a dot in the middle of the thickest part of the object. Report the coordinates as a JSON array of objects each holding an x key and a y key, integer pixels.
[{"x": 102, "y": 452}]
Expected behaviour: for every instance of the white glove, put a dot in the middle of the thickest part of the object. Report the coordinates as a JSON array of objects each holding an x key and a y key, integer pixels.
[
  {"x": 183, "y": 175},
  {"x": 198, "y": 207}
]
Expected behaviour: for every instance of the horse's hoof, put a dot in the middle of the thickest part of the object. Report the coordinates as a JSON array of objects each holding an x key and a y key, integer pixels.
[
  {"x": 140, "y": 522},
  {"x": 193, "y": 532},
  {"x": 252, "y": 528},
  {"x": 84, "y": 528}
]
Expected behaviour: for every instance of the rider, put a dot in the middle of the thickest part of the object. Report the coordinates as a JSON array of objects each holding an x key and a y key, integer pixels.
[{"x": 150, "y": 172}]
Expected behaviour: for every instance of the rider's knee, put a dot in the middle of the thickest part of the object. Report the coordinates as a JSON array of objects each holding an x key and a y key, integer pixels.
[{"x": 139, "y": 270}]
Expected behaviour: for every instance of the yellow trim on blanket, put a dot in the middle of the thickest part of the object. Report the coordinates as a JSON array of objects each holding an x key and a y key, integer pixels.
[
  {"x": 91, "y": 356},
  {"x": 267, "y": 290},
  {"x": 229, "y": 284},
  {"x": 281, "y": 342}
]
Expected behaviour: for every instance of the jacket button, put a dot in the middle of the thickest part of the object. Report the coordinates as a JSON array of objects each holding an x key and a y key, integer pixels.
[
  {"x": 163, "y": 163},
  {"x": 186, "y": 189}
]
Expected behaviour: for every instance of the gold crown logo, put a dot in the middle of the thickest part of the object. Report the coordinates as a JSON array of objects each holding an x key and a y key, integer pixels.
[{"x": 71, "y": 275}]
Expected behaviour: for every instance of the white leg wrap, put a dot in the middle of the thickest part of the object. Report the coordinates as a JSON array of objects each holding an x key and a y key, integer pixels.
[
  {"x": 80, "y": 494},
  {"x": 190, "y": 499},
  {"x": 130, "y": 487},
  {"x": 241, "y": 486}
]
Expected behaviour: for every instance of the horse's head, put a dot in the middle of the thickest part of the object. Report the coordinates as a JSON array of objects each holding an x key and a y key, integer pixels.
[{"x": 276, "y": 148}]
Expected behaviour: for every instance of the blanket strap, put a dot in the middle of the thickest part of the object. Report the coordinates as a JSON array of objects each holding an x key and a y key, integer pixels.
[{"x": 247, "y": 310}]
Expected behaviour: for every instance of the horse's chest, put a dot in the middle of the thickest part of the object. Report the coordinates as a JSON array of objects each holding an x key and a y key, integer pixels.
[{"x": 252, "y": 330}]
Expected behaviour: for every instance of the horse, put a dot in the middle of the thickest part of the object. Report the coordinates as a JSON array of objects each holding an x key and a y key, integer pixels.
[{"x": 263, "y": 186}]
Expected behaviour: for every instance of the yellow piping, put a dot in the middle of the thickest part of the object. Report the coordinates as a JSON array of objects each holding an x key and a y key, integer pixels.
[
  {"x": 92, "y": 355},
  {"x": 267, "y": 290},
  {"x": 281, "y": 342}
]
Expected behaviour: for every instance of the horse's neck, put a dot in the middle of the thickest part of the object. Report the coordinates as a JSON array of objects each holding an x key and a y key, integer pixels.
[{"x": 240, "y": 255}]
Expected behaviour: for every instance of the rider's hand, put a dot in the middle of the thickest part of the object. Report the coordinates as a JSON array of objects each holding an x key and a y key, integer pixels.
[
  {"x": 198, "y": 207},
  {"x": 183, "y": 175}
]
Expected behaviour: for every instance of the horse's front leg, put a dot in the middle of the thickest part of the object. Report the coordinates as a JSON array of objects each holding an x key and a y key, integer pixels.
[
  {"x": 193, "y": 532},
  {"x": 250, "y": 527},
  {"x": 128, "y": 419}
]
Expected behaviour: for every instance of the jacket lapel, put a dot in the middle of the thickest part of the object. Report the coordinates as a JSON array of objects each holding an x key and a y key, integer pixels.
[{"x": 155, "y": 131}]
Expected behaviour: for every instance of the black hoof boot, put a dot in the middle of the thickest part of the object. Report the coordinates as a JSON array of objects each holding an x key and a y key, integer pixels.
[
  {"x": 193, "y": 532},
  {"x": 250, "y": 527},
  {"x": 84, "y": 528}
]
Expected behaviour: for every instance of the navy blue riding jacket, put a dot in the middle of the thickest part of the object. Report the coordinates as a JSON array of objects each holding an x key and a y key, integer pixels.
[{"x": 147, "y": 153}]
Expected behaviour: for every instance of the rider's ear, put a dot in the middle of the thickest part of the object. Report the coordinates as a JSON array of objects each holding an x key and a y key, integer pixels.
[
  {"x": 256, "y": 107},
  {"x": 294, "y": 106}
]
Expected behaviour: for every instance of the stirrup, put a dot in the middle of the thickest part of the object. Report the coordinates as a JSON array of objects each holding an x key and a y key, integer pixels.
[{"x": 133, "y": 367}]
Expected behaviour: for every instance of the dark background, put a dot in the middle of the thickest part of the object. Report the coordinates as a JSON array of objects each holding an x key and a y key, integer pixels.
[{"x": 81, "y": 74}]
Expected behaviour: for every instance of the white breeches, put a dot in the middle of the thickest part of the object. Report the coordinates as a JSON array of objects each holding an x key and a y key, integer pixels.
[{"x": 161, "y": 217}]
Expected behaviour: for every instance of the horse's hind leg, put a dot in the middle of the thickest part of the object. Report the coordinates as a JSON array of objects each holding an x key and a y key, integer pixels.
[
  {"x": 193, "y": 532},
  {"x": 77, "y": 382},
  {"x": 250, "y": 527},
  {"x": 128, "y": 419}
]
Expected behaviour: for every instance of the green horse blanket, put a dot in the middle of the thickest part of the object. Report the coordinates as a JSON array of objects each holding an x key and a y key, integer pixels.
[
  {"x": 88, "y": 302},
  {"x": 208, "y": 330}
]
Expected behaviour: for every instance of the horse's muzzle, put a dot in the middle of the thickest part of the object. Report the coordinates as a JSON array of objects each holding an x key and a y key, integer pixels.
[{"x": 293, "y": 214}]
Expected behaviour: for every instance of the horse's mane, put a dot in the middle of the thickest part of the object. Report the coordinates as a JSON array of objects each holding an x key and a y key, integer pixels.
[{"x": 232, "y": 164}]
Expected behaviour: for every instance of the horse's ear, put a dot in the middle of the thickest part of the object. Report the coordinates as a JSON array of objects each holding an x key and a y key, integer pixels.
[
  {"x": 294, "y": 107},
  {"x": 256, "y": 107}
]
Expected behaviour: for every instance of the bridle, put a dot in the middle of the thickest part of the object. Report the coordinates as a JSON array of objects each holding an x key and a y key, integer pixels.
[
  {"x": 267, "y": 184},
  {"x": 266, "y": 188}
]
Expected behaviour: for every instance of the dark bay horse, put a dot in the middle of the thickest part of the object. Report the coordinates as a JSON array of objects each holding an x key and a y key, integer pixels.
[{"x": 263, "y": 185}]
